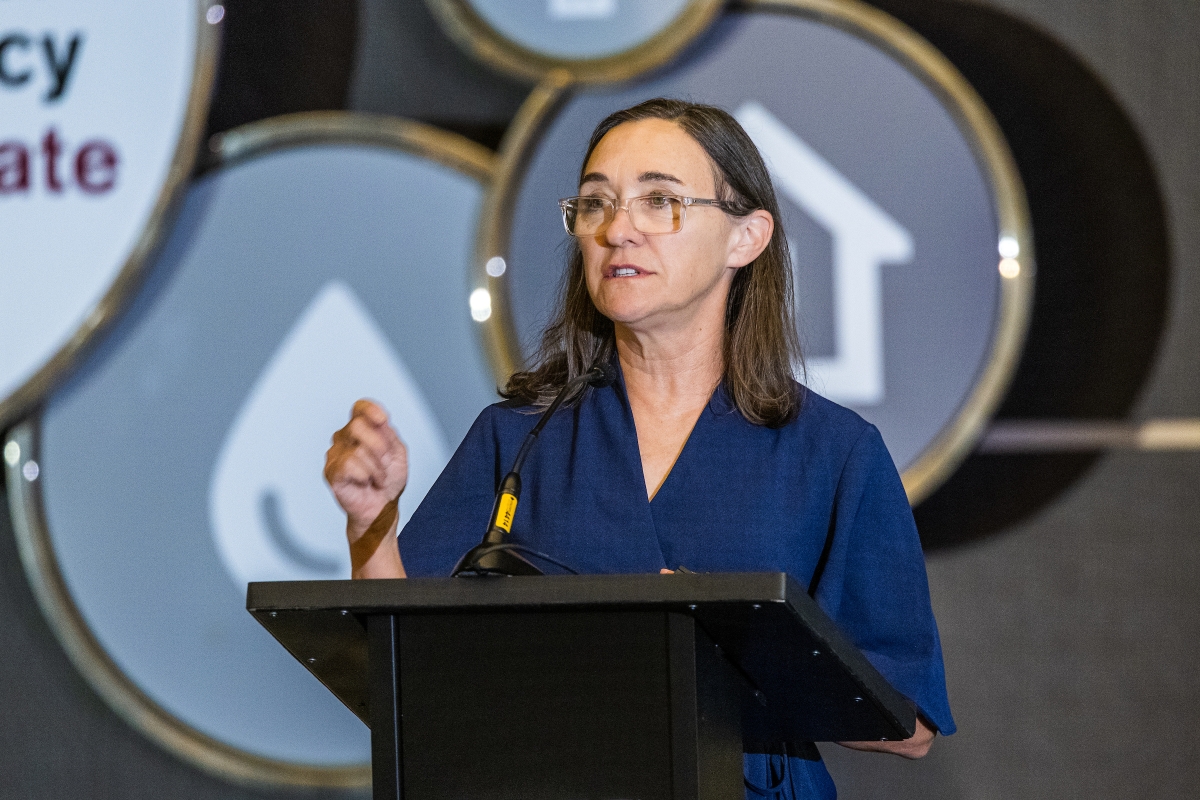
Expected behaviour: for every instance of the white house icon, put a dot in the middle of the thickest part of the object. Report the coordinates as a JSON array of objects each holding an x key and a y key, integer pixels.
[{"x": 864, "y": 237}]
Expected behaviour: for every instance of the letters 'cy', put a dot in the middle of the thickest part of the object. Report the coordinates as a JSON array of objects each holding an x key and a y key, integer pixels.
[{"x": 16, "y": 61}]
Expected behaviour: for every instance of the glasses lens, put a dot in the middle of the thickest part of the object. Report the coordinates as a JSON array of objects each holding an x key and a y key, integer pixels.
[
  {"x": 588, "y": 216},
  {"x": 657, "y": 214},
  {"x": 585, "y": 216}
]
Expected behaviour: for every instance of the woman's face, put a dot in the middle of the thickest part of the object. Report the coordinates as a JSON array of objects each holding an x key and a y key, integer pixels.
[{"x": 647, "y": 282}]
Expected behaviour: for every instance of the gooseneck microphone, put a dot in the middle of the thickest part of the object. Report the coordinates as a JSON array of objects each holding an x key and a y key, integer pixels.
[{"x": 493, "y": 556}]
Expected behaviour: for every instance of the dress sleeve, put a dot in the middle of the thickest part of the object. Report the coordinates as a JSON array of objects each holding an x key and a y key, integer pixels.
[
  {"x": 875, "y": 586},
  {"x": 453, "y": 516}
]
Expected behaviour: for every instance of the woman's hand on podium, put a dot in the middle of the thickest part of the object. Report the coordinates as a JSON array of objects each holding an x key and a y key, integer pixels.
[
  {"x": 367, "y": 469},
  {"x": 916, "y": 746}
]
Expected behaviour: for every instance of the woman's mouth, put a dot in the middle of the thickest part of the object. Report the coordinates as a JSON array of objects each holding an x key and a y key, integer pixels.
[{"x": 623, "y": 271}]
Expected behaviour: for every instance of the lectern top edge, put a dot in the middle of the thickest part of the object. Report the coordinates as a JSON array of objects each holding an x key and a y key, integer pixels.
[{"x": 364, "y": 596}]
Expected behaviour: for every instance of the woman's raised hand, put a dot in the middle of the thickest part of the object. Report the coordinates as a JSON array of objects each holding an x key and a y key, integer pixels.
[{"x": 367, "y": 469}]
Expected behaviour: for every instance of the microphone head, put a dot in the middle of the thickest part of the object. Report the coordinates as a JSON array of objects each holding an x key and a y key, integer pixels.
[{"x": 602, "y": 374}]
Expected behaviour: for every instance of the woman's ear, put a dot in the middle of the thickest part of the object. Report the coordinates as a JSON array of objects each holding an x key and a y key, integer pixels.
[{"x": 750, "y": 236}]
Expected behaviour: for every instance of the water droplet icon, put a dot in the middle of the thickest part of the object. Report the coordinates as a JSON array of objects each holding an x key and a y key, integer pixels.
[{"x": 272, "y": 516}]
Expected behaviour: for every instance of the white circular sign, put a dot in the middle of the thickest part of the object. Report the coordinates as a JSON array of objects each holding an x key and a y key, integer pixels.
[{"x": 101, "y": 109}]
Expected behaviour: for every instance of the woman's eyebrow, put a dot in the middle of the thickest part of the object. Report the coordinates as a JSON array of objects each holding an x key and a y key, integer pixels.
[
  {"x": 645, "y": 177},
  {"x": 658, "y": 177}
]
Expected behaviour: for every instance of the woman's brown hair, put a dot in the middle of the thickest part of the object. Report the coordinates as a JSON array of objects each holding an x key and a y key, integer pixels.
[{"x": 761, "y": 347}]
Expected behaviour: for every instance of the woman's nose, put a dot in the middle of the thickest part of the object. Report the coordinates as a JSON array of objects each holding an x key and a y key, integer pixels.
[{"x": 621, "y": 228}]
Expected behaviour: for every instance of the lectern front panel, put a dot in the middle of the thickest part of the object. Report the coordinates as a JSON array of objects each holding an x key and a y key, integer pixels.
[{"x": 482, "y": 699}]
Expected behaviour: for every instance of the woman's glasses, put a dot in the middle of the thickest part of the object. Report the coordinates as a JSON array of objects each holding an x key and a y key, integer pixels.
[{"x": 652, "y": 214}]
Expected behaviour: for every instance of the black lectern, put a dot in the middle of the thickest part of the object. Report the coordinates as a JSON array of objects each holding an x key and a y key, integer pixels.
[{"x": 589, "y": 686}]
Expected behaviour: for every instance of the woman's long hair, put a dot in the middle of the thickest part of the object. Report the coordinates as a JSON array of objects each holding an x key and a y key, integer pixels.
[{"x": 761, "y": 347}]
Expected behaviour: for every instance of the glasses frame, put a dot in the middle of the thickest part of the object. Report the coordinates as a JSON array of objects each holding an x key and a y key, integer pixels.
[{"x": 685, "y": 202}]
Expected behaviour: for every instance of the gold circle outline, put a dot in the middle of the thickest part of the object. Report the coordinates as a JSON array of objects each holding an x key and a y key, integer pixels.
[
  {"x": 162, "y": 214},
  {"x": 959, "y": 437},
  {"x": 340, "y": 127},
  {"x": 34, "y": 543},
  {"x": 479, "y": 39}
]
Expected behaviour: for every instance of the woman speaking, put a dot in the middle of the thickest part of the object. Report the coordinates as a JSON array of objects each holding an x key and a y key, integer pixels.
[{"x": 704, "y": 452}]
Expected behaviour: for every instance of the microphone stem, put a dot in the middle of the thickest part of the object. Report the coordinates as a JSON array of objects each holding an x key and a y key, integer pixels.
[
  {"x": 530, "y": 437},
  {"x": 505, "y": 506}
]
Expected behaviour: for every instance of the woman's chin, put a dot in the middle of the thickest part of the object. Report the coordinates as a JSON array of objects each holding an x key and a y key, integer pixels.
[{"x": 625, "y": 311}]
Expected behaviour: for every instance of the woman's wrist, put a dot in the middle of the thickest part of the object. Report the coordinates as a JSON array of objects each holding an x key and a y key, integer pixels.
[{"x": 375, "y": 553}]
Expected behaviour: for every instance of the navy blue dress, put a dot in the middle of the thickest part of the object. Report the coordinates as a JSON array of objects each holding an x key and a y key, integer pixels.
[{"x": 740, "y": 497}]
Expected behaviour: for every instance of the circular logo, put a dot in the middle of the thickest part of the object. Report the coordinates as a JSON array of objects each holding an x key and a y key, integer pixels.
[
  {"x": 325, "y": 260},
  {"x": 594, "y": 40},
  {"x": 907, "y": 222},
  {"x": 100, "y": 115}
]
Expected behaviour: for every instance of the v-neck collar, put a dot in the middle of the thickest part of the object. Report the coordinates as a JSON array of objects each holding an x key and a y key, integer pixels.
[{"x": 718, "y": 403}]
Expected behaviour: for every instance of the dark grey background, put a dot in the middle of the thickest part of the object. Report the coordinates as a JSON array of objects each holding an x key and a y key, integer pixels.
[{"x": 1070, "y": 638}]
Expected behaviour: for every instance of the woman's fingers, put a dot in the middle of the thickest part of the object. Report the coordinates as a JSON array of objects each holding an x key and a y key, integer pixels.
[
  {"x": 352, "y": 469},
  {"x": 374, "y": 439},
  {"x": 392, "y": 440},
  {"x": 367, "y": 452},
  {"x": 370, "y": 411},
  {"x": 369, "y": 425},
  {"x": 345, "y": 452},
  {"x": 377, "y": 473}
]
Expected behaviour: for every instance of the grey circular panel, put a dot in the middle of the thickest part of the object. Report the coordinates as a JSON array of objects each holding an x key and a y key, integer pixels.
[
  {"x": 890, "y": 214},
  {"x": 186, "y": 458},
  {"x": 593, "y": 40}
]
